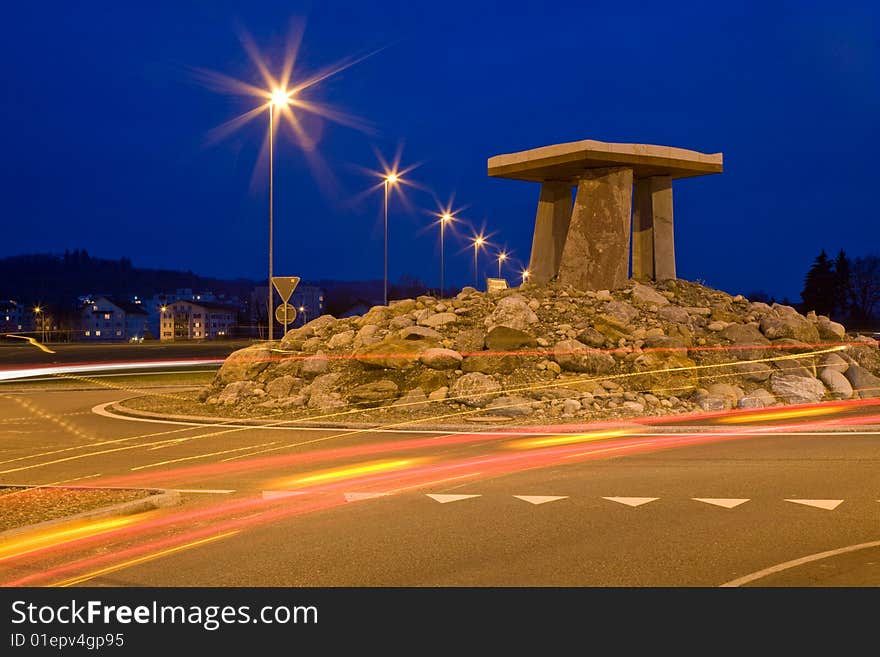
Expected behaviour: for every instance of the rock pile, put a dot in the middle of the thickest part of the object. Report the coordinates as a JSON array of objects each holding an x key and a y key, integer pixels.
[{"x": 543, "y": 352}]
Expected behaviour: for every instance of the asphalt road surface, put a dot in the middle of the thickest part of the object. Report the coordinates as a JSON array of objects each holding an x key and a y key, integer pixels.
[{"x": 287, "y": 506}]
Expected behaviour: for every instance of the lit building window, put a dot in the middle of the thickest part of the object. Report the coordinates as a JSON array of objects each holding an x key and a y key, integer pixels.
[
  {"x": 106, "y": 315},
  {"x": 98, "y": 334},
  {"x": 118, "y": 332},
  {"x": 88, "y": 333}
]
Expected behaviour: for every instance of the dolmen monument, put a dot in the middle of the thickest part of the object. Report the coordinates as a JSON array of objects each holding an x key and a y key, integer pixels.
[{"x": 618, "y": 186}]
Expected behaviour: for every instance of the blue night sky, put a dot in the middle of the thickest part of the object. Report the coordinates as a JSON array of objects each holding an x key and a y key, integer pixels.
[{"x": 105, "y": 128}]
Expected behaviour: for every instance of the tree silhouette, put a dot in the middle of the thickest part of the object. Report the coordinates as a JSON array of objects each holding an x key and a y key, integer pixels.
[
  {"x": 820, "y": 285},
  {"x": 865, "y": 286}
]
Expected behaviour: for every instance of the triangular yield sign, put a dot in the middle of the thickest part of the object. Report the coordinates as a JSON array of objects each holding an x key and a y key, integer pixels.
[
  {"x": 540, "y": 499},
  {"x": 631, "y": 501},
  {"x": 828, "y": 505},
  {"x": 726, "y": 502},
  {"x": 444, "y": 499},
  {"x": 285, "y": 286},
  {"x": 356, "y": 497}
]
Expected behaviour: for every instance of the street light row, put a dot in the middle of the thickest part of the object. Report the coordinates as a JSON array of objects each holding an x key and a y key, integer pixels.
[{"x": 478, "y": 241}]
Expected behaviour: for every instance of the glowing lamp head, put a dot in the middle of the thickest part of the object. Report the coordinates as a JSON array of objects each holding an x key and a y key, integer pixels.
[
  {"x": 391, "y": 178},
  {"x": 280, "y": 98},
  {"x": 446, "y": 218},
  {"x": 502, "y": 256},
  {"x": 478, "y": 241},
  {"x": 37, "y": 309},
  {"x": 526, "y": 273}
]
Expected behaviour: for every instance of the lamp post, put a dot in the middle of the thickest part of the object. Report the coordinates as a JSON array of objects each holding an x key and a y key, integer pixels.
[
  {"x": 302, "y": 310},
  {"x": 38, "y": 319},
  {"x": 479, "y": 240},
  {"x": 444, "y": 219},
  {"x": 279, "y": 98},
  {"x": 390, "y": 179},
  {"x": 502, "y": 256},
  {"x": 525, "y": 275}
]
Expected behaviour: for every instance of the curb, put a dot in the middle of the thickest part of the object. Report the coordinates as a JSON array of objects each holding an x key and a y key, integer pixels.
[
  {"x": 476, "y": 427},
  {"x": 161, "y": 499}
]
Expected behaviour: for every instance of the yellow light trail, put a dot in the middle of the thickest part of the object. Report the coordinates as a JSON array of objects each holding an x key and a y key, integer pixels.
[
  {"x": 556, "y": 441},
  {"x": 47, "y": 538},
  {"x": 32, "y": 341},
  {"x": 781, "y": 415},
  {"x": 149, "y": 557},
  {"x": 349, "y": 472}
]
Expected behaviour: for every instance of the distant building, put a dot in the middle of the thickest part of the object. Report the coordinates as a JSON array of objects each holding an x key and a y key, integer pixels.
[
  {"x": 189, "y": 320},
  {"x": 308, "y": 300},
  {"x": 359, "y": 308},
  {"x": 13, "y": 317},
  {"x": 101, "y": 319}
]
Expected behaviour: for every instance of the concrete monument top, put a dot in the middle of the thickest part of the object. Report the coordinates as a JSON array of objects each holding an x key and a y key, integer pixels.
[{"x": 568, "y": 162}]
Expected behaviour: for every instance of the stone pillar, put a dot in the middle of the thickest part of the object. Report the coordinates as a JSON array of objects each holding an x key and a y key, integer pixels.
[
  {"x": 551, "y": 226},
  {"x": 664, "y": 235},
  {"x": 643, "y": 231},
  {"x": 596, "y": 251}
]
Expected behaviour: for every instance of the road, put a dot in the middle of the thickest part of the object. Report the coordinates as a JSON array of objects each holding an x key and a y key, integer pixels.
[{"x": 287, "y": 506}]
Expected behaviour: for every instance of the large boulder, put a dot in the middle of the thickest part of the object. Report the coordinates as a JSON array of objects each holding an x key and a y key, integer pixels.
[
  {"x": 829, "y": 330},
  {"x": 674, "y": 314},
  {"x": 513, "y": 312},
  {"x": 642, "y": 295},
  {"x": 621, "y": 311},
  {"x": 419, "y": 333},
  {"x": 438, "y": 319},
  {"x": 309, "y": 329},
  {"x": 511, "y": 405},
  {"x": 340, "y": 340},
  {"x": 377, "y": 392},
  {"x": 245, "y": 364},
  {"x": 575, "y": 356},
  {"x": 797, "y": 389},
  {"x": 790, "y": 326},
  {"x": 504, "y": 338},
  {"x": 393, "y": 353},
  {"x": 475, "y": 389},
  {"x": 671, "y": 373},
  {"x": 281, "y": 386},
  {"x": 863, "y": 382},
  {"x": 835, "y": 362},
  {"x": 470, "y": 340},
  {"x": 491, "y": 363},
  {"x": 438, "y": 358},
  {"x": 322, "y": 392},
  {"x": 745, "y": 335},
  {"x": 237, "y": 391},
  {"x": 757, "y": 398},
  {"x": 315, "y": 365},
  {"x": 837, "y": 383},
  {"x": 612, "y": 328}
]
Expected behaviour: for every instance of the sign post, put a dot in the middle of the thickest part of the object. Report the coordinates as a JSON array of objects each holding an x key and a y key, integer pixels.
[{"x": 285, "y": 313}]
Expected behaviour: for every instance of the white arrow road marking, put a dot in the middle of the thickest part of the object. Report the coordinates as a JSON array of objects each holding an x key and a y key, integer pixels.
[
  {"x": 828, "y": 505},
  {"x": 357, "y": 497},
  {"x": 540, "y": 499},
  {"x": 727, "y": 503},
  {"x": 631, "y": 501},
  {"x": 444, "y": 499}
]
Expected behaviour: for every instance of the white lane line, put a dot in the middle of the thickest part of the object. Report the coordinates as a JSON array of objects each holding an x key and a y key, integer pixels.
[
  {"x": 357, "y": 497},
  {"x": 540, "y": 499},
  {"x": 631, "y": 501},
  {"x": 786, "y": 565},
  {"x": 205, "y": 491},
  {"x": 828, "y": 505},
  {"x": 195, "y": 458},
  {"x": 725, "y": 502},
  {"x": 445, "y": 499}
]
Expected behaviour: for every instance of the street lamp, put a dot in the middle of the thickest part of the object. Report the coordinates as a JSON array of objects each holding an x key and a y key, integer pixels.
[
  {"x": 445, "y": 218},
  {"x": 37, "y": 311},
  {"x": 390, "y": 179},
  {"x": 525, "y": 273},
  {"x": 302, "y": 310},
  {"x": 502, "y": 256},
  {"x": 278, "y": 98},
  {"x": 478, "y": 241}
]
